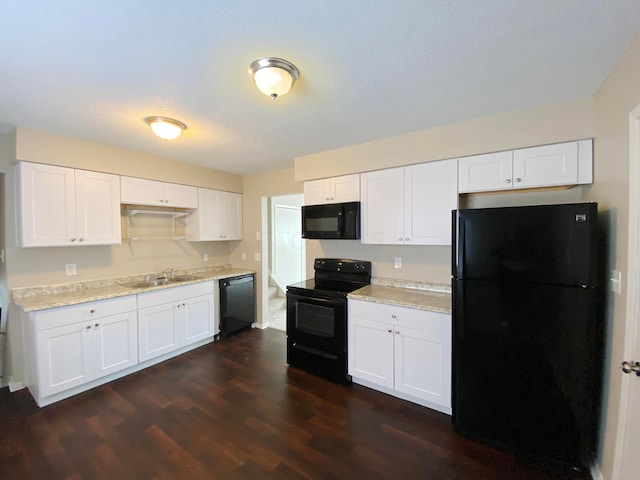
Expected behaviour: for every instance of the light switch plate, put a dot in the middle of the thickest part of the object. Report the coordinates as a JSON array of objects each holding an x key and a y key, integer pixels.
[
  {"x": 206, "y": 257},
  {"x": 397, "y": 262},
  {"x": 70, "y": 269},
  {"x": 256, "y": 257}
]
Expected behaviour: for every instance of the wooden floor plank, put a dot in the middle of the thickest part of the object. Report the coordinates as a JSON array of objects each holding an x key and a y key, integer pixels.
[{"x": 234, "y": 410}]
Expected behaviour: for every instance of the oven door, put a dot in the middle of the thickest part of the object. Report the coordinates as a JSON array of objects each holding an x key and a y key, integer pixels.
[{"x": 317, "y": 323}]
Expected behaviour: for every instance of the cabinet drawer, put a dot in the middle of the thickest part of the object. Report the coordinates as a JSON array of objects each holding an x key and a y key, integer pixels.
[
  {"x": 174, "y": 294},
  {"x": 422, "y": 320},
  {"x": 57, "y": 317}
]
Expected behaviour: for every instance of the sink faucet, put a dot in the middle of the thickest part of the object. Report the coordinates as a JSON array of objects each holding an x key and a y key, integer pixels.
[{"x": 163, "y": 274}]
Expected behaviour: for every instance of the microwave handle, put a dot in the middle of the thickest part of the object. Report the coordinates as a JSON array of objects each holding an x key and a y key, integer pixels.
[{"x": 341, "y": 220}]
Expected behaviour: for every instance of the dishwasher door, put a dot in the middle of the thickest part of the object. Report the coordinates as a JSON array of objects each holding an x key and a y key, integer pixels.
[{"x": 237, "y": 304}]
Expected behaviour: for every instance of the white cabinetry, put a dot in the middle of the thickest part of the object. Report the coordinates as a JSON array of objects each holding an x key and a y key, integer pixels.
[
  {"x": 77, "y": 344},
  {"x": 62, "y": 206},
  {"x": 173, "y": 318},
  {"x": 401, "y": 351},
  {"x": 567, "y": 163},
  {"x": 409, "y": 205},
  {"x": 139, "y": 191},
  {"x": 218, "y": 216},
  {"x": 345, "y": 188}
]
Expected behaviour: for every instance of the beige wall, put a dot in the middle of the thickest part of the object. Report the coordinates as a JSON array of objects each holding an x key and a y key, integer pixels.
[
  {"x": 257, "y": 188},
  {"x": 524, "y": 128},
  {"x": 614, "y": 101},
  {"x": 43, "y": 147}
]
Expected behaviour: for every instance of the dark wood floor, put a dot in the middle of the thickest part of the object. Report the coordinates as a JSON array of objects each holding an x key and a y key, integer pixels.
[{"x": 233, "y": 410}]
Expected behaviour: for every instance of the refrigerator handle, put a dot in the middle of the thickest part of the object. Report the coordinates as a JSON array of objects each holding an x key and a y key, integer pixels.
[{"x": 459, "y": 247}]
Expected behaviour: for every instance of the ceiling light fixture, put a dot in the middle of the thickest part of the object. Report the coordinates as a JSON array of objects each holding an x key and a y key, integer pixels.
[
  {"x": 273, "y": 76},
  {"x": 165, "y": 128}
]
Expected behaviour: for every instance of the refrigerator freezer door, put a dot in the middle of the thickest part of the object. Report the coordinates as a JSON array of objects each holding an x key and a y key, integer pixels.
[
  {"x": 549, "y": 244},
  {"x": 527, "y": 367}
]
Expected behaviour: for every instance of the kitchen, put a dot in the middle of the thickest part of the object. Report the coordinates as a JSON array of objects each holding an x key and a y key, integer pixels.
[{"x": 541, "y": 125}]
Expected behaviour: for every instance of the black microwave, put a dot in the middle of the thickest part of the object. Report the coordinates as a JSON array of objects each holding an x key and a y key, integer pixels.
[{"x": 331, "y": 221}]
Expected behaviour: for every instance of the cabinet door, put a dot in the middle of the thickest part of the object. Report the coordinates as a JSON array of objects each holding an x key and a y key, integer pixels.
[
  {"x": 47, "y": 205},
  {"x": 371, "y": 350},
  {"x": 316, "y": 192},
  {"x": 423, "y": 364},
  {"x": 181, "y": 196},
  {"x": 63, "y": 357},
  {"x": 197, "y": 319},
  {"x": 232, "y": 216},
  {"x": 97, "y": 208},
  {"x": 382, "y": 209},
  {"x": 431, "y": 193},
  {"x": 139, "y": 191},
  {"x": 493, "y": 171},
  {"x": 115, "y": 343},
  {"x": 547, "y": 165},
  {"x": 157, "y": 331},
  {"x": 345, "y": 188}
]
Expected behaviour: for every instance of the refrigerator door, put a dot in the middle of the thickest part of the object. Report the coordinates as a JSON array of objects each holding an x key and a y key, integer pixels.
[
  {"x": 527, "y": 363},
  {"x": 549, "y": 244}
]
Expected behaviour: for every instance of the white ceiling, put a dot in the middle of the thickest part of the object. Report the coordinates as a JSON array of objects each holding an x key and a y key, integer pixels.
[{"x": 93, "y": 69}]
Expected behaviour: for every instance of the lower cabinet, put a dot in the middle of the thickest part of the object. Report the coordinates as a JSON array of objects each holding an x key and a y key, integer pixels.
[
  {"x": 72, "y": 349},
  {"x": 173, "y": 318},
  {"x": 77, "y": 344},
  {"x": 401, "y": 351}
]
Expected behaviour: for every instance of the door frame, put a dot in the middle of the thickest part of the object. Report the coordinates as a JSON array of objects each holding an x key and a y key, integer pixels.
[{"x": 633, "y": 282}]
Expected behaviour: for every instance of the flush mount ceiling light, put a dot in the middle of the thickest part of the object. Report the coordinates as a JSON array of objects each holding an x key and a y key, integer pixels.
[
  {"x": 273, "y": 76},
  {"x": 165, "y": 128}
]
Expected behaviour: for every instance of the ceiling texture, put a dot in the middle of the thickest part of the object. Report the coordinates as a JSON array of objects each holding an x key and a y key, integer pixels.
[{"x": 369, "y": 69}]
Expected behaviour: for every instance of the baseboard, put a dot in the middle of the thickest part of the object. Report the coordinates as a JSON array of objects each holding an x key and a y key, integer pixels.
[
  {"x": 261, "y": 326},
  {"x": 15, "y": 386}
]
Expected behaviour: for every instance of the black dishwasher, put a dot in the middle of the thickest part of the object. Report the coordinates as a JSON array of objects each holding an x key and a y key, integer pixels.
[{"x": 237, "y": 304}]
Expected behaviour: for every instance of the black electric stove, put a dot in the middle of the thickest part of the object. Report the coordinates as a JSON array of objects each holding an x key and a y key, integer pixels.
[{"x": 317, "y": 316}]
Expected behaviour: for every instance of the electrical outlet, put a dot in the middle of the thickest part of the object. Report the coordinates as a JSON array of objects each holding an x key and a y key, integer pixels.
[
  {"x": 244, "y": 255},
  {"x": 206, "y": 257},
  {"x": 397, "y": 262},
  {"x": 70, "y": 269},
  {"x": 615, "y": 282},
  {"x": 257, "y": 235},
  {"x": 256, "y": 257}
]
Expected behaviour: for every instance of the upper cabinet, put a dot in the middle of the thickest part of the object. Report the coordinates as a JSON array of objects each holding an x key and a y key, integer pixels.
[
  {"x": 139, "y": 191},
  {"x": 218, "y": 216},
  {"x": 345, "y": 188},
  {"x": 409, "y": 205},
  {"x": 569, "y": 163},
  {"x": 62, "y": 206}
]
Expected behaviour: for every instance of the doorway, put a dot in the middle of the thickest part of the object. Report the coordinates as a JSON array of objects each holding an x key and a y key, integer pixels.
[{"x": 286, "y": 253}]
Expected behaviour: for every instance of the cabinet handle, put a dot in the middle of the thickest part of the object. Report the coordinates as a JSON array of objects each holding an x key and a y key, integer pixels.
[
  {"x": 518, "y": 180},
  {"x": 508, "y": 180},
  {"x": 184, "y": 304},
  {"x": 393, "y": 315},
  {"x": 88, "y": 327},
  {"x": 400, "y": 239},
  {"x": 397, "y": 332},
  {"x": 389, "y": 330},
  {"x": 406, "y": 239},
  {"x": 92, "y": 311},
  {"x": 73, "y": 239},
  {"x": 81, "y": 239},
  {"x": 97, "y": 325}
]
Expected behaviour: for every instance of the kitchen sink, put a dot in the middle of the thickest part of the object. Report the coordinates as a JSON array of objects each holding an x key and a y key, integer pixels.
[{"x": 183, "y": 278}]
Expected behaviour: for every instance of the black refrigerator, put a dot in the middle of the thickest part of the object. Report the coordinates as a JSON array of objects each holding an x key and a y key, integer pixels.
[{"x": 528, "y": 335}]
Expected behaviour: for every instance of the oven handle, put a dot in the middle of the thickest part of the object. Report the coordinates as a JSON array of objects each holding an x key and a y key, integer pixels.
[{"x": 308, "y": 298}]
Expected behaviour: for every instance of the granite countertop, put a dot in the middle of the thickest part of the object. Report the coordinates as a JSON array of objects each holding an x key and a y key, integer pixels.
[
  {"x": 31, "y": 299},
  {"x": 434, "y": 297}
]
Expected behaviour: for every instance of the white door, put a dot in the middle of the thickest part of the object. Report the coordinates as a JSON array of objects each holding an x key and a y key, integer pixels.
[
  {"x": 627, "y": 460},
  {"x": 491, "y": 171},
  {"x": 196, "y": 319},
  {"x": 546, "y": 165},
  {"x": 97, "y": 208},
  {"x": 287, "y": 259},
  {"x": 371, "y": 351}
]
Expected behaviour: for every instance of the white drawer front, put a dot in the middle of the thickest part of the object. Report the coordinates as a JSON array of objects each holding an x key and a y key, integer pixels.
[{"x": 57, "y": 317}]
